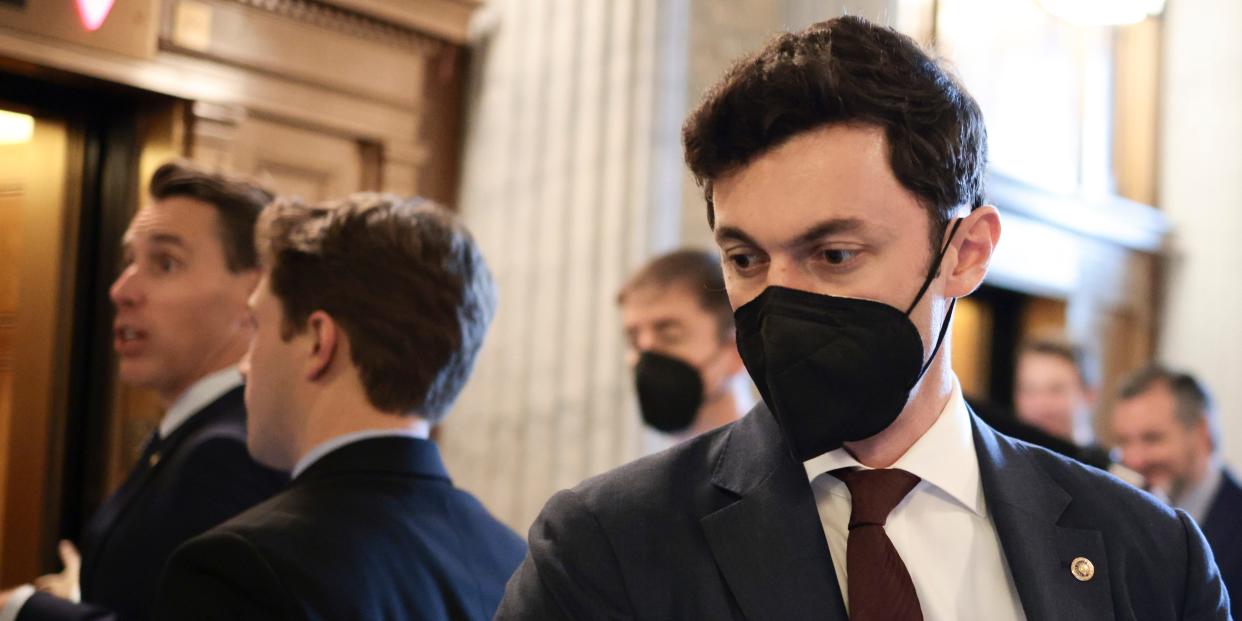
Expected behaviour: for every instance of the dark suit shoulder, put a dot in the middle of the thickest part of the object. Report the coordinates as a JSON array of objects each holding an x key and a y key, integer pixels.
[
  {"x": 676, "y": 477},
  {"x": 382, "y": 545},
  {"x": 221, "y": 574},
  {"x": 1099, "y": 493}
]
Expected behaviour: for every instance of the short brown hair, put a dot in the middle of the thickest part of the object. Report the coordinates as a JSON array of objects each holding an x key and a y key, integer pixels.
[
  {"x": 1060, "y": 347},
  {"x": 237, "y": 202},
  {"x": 842, "y": 71},
  {"x": 696, "y": 270},
  {"x": 402, "y": 277}
]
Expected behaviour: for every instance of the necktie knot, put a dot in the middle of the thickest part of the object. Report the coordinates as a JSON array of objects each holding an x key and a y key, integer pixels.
[{"x": 874, "y": 493}]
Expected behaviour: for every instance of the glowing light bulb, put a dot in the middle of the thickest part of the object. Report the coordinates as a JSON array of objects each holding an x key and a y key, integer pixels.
[{"x": 15, "y": 128}]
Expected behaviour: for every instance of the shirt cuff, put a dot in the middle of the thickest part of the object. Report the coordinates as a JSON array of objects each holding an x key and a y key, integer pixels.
[{"x": 20, "y": 595}]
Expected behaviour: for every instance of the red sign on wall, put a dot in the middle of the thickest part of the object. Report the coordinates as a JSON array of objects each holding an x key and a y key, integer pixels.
[{"x": 92, "y": 13}]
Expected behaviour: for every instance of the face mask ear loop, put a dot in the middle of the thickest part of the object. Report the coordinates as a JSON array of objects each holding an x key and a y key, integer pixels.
[
  {"x": 935, "y": 267},
  {"x": 944, "y": 329}
]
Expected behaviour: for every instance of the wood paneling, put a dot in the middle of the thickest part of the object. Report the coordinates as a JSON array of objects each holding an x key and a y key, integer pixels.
[
  {"x": 198, "y": 79},
  {"x": 447, "y": 19},
  {"x": 291, "y": 160},
  {"x": 12, "y": 195},
  {"x": 367, "y": 59},
  {"x": 130, "y": 28},
  {"x": 972, "y": 360}
]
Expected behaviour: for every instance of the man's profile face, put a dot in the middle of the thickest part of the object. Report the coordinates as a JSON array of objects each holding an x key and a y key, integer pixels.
[
  {"x": 1049, "y": 394},
  {"x": 671, "y": 321},
  {"x": 180, "y": 312},
  {"x": 824, "y": 213},
  {"x": 1155, "y": 443},
  {"x": 271, "y": 370}
]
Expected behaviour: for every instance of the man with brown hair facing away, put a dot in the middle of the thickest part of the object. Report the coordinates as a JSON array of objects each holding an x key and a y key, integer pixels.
[{"x": 368, "y": 319}]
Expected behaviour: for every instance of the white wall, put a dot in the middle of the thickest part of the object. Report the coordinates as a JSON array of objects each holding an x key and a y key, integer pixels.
[{"x": 1201, "y": 190}]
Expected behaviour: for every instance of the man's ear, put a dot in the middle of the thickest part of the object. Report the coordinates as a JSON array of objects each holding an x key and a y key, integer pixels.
[
  {"x": 975, "y": 242},
  {"x": 323, "y": 336},
  {"x": 1203, "y": 433},
  {"x": 248, "y": 284}
]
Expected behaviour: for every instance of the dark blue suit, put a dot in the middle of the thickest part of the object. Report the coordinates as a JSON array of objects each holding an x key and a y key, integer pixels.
[
  {"x": 198, "y": 477},
  {"x": 1223, "y": 529},
  {"x": 725, "y": 527},
  {"x": 372, "y": 530}
]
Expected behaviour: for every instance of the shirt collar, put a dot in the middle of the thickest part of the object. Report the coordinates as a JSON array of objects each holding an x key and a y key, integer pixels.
[
  {"x": 944, "y": 457},
  {"x": 327, "y": 446},
  {"x": 201, "y": 394},
  {"x": 1197, "y": 500}
]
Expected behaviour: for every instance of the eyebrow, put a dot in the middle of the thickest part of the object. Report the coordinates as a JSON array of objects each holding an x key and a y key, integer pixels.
[
  {"x": 732, "y": 233},
  {"x": 827, "y": 228},
  {"x": 833, "y": 226},
  {"x": 167, "y": 238}
]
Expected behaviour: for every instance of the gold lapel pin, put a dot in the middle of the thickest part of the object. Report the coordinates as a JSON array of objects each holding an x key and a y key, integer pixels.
[{"x": 1082, "y": 568}]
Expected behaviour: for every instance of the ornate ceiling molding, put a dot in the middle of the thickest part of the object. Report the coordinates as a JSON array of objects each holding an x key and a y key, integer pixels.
[{"x": 324, "y": 15}]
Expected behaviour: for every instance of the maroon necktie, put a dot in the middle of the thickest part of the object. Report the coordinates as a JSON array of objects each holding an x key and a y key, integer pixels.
[{"x": 879, "y": 585}]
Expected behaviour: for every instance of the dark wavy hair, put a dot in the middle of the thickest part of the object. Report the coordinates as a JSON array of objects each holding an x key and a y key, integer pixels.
[{"x": 846, "y": 71}]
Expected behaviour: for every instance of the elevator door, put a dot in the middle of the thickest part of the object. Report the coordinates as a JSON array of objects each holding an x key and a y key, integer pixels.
[{"x": 35, "y": 232}]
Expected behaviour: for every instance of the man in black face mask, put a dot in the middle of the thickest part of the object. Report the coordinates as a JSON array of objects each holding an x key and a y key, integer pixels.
[
  {"x": 681, "y": 347},
  {"x": 843, "y": 171}
]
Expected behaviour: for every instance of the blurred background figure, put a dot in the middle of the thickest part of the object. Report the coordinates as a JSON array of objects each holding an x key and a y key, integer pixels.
[
  {"x": 1053, "y": 396},
  {"x": 681, "y": 346},
  {"x": 1166, "y": 428},
  {"x": 181, "y": 329},
  {"x": 1055, "y": 390}
]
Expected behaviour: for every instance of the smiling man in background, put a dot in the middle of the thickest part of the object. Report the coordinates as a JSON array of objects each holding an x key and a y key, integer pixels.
[{"x": 1167, "y": 430}]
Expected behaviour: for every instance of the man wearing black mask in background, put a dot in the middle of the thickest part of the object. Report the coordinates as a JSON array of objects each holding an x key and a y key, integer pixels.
[
  {"x": 844, "y": 176},
  {"x": 680, "y": 344}
]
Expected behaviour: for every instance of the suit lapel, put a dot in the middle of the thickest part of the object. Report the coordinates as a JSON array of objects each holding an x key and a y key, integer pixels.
[
  {"x": 1025, "y": 505},
  {"x": 104, "y": 523},
  {"x": 769, "y": 543}
]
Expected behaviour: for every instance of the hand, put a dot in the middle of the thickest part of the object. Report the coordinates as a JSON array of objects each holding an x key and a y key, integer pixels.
[
  {"x": 65, "y": 584},
  {"x": 4, "y": 597}
]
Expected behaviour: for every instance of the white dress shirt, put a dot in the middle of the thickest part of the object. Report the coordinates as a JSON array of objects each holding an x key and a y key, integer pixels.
[
  {"x": 197, "y": 397},
  {"x": 942, "y": 529},
  {"x": 192, "y": 401}
]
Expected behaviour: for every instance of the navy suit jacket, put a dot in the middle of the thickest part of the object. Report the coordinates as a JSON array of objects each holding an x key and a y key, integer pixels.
[
  {"x": 725, "y": 527},
  {"x": 200, "y": 476},
  {"x": 1223, "y": 529},
  {"x": 373, "y": 530}
]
